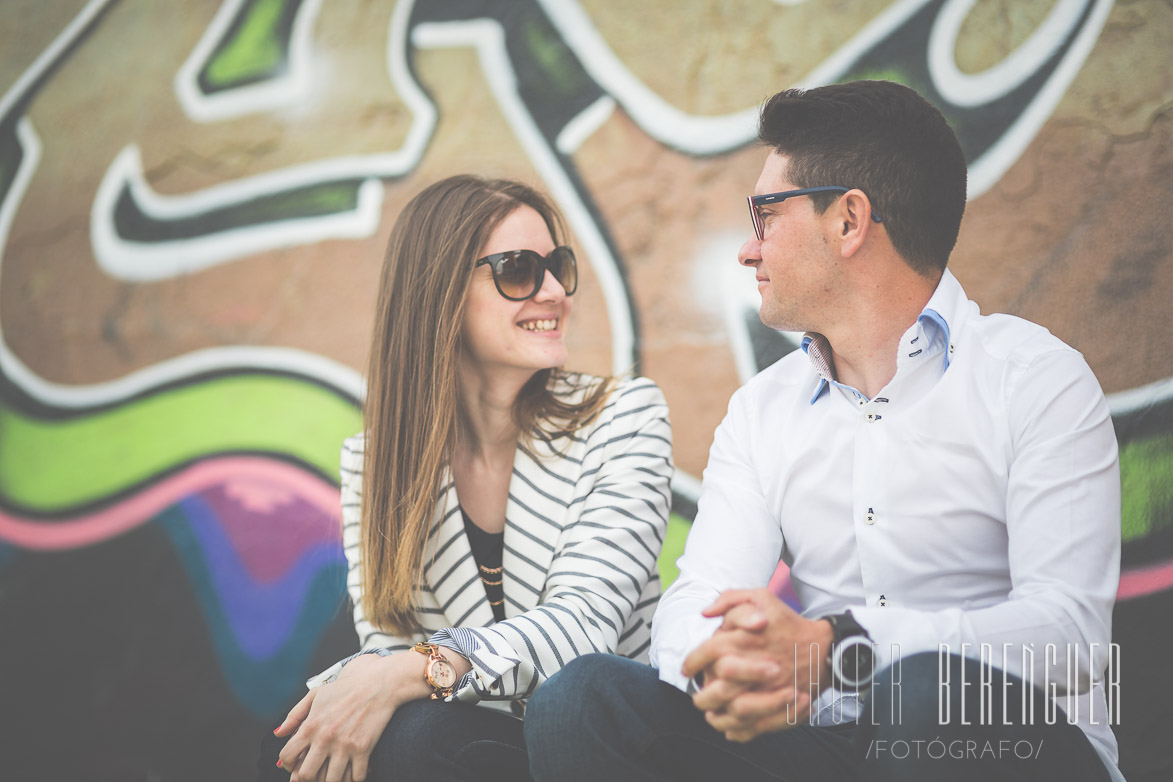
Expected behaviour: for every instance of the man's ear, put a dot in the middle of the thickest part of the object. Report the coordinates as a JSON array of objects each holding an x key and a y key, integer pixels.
[{"x": 853, "y": 220}]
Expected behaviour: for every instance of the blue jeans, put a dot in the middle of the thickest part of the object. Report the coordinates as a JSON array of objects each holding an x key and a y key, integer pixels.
[
  {"x": 438, "y": 742},
  {"x": 605, "y": 717}
]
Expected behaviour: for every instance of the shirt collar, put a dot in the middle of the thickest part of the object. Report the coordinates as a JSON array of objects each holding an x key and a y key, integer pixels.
[
  {"x": 818, "y": 350},
  {"x": 931, "y": 330}
]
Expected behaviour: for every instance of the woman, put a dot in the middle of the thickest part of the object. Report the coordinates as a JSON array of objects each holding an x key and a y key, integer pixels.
[{"x": 500, "y": 516}]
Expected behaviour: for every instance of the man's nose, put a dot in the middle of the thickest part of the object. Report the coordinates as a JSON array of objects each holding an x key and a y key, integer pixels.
[{"x": 750, "y": 252}]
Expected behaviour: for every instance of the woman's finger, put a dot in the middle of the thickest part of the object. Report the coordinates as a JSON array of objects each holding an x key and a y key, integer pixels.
[
  {"x": 311, "y": 766},
  {"x": 291, "y": 754},
  {"x": 296, "y": 715},
  {"x": 359, "y": 767}
]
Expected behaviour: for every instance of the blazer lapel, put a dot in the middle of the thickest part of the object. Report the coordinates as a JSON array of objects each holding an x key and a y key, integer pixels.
[
  {"x": 449, "y": 568},
  {"x": 540, "y": 492}
]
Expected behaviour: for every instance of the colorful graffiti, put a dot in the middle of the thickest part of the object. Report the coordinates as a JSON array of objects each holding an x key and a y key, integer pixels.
[{"x": 192, "y": 208}]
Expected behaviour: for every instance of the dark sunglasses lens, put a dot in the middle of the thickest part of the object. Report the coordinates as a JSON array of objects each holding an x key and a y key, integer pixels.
[
  {"x": 564, "y": 267},
  {"x": 516, "y": 272}
]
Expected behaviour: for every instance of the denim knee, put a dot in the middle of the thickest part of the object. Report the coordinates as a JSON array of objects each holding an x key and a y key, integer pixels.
[
  {"x": 410, "y": 739},
  {"x": 905, "y": 693},
  {"x": 580, "y": 682}
]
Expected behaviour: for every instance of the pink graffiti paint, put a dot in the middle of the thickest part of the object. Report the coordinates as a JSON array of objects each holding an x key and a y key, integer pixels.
[{"x": 278, "y": 479}]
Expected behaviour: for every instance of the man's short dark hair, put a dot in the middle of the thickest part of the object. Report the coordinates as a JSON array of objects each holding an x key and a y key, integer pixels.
[{"x": 889, "y": 142}]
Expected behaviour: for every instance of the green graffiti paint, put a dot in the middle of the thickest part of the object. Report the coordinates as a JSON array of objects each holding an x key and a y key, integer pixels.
[
  {"x": 301, "y": 203},
  {"x": 559, "y": 70},
  {"x": 678, "y": 527},
  {"x": 53, "y": 466},
  {"x": 1146, "y": 483},
  {"x": 255, "y": 48}
]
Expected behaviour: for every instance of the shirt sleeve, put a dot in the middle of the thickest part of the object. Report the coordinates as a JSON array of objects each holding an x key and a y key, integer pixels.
[
  {"x": 371, "y": 639},
  {"x": 604, "y": 566},
  {"x": 735, "y": 543},
  {"x": 1063, "y": 529}
]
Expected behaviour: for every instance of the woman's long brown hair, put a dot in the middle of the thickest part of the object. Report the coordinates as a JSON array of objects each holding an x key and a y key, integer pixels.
[{"x": 413, "y": 409}]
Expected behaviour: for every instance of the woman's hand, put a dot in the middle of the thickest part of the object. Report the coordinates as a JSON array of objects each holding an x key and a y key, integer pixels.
[{"x": 335, "y": 727}]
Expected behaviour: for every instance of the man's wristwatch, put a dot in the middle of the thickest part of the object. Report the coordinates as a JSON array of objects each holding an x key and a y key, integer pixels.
[
  {"x": 851, "y": 659},
  {"x": 438, "y": 673}
]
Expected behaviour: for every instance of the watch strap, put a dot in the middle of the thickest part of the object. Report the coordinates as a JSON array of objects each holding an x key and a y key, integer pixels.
[
  {"x": 846, "y": 632},
  {"x": 844, "y": 626}
]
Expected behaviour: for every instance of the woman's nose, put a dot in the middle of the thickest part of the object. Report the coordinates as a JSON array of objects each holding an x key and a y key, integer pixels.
[{"x": 551, "y": 289}]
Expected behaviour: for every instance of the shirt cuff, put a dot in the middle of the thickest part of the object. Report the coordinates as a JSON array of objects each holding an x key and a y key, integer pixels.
[
  {"x": 462, "y": 641},
  {"x": 331, "y": 673},
  {"x": 490, "y": 665}
]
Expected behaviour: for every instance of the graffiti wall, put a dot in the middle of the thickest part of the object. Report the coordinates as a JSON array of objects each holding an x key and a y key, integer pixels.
[{"x": 194, "y": 197}]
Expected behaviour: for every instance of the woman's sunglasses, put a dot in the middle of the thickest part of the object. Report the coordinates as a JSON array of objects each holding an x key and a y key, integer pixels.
[{"x": 518, "y": 274}]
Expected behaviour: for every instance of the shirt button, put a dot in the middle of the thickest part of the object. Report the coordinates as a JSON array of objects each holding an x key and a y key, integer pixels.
[
  {"x": 883, "y": 601},
  {"x": 871, "y": 517},
  {"x": 872, "y": 418}
]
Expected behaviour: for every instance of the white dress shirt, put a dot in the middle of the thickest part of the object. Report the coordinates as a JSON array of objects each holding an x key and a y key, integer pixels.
[{"x": 975, "y": 500}]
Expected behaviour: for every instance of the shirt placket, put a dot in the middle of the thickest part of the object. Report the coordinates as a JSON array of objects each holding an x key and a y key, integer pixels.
[{"x": 870, "y": 512}]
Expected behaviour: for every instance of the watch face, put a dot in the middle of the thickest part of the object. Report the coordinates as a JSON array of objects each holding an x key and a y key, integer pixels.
[
  {"x": 442, "y": 674},
  {"x": 855, "y": 664}
]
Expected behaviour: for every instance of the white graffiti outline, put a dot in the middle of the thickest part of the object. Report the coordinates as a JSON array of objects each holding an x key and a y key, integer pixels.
[
  {"x": 264, "y": 96},
  {"x": 692, "y": 133},
  {"x": 487, "y": 38},
  {"x": 601, "y": 64},
  {"x": 885, "y": 23},
  {"x": 584, "y": 125},
  {"x": 337, "y": 375},
  {"x": 136, "y": 262},
  {"x": 654, "y": 115},
  {"x": 738, "y": 298},
  {"x": 332, "y": 373},
  {"x": 46, "y": 59},
  {"x": 132, "y": 261},
  {"x": 989, "y": 168},
  {"x": 139, "y": 261},
  {"x": 1135, "y": 399},
  {"x": 703, "y": 135},
  {"x": 741, "y": 301},
  {"x": 966, "y": 89}
]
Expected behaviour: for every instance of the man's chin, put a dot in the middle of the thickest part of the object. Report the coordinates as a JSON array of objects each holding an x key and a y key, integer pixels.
[{"x": 772, "y": 320}]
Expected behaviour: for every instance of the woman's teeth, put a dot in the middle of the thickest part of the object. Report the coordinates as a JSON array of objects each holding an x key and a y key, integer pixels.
[{"x": 540, "y": 325}]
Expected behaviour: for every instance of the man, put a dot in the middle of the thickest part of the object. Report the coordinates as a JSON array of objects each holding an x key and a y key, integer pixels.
[{"x": 943, "y": 485}]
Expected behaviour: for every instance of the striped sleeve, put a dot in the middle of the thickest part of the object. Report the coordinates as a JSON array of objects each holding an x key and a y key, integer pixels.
[
  {"x": 604, "y": 566},
  {"x": 369, "y": 637}
]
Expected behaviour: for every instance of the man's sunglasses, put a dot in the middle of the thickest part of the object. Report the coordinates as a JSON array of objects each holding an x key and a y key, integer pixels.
[
  {"x": 756, "y": 202},
  {"x": 518, "y": 274}
]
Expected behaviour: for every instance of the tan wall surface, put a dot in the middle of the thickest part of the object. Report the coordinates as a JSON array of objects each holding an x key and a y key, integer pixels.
[{"x": 188, "y": 273}]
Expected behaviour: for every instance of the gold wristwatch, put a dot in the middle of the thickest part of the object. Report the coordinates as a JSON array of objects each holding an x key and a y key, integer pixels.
[{"x": 439, "y": 673}]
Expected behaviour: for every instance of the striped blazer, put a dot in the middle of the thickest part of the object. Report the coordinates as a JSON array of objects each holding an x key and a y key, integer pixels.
[{"x": 583, "y": 531}]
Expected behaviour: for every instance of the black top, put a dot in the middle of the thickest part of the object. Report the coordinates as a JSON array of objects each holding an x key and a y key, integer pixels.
[{"x": 487, "y": 550}]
